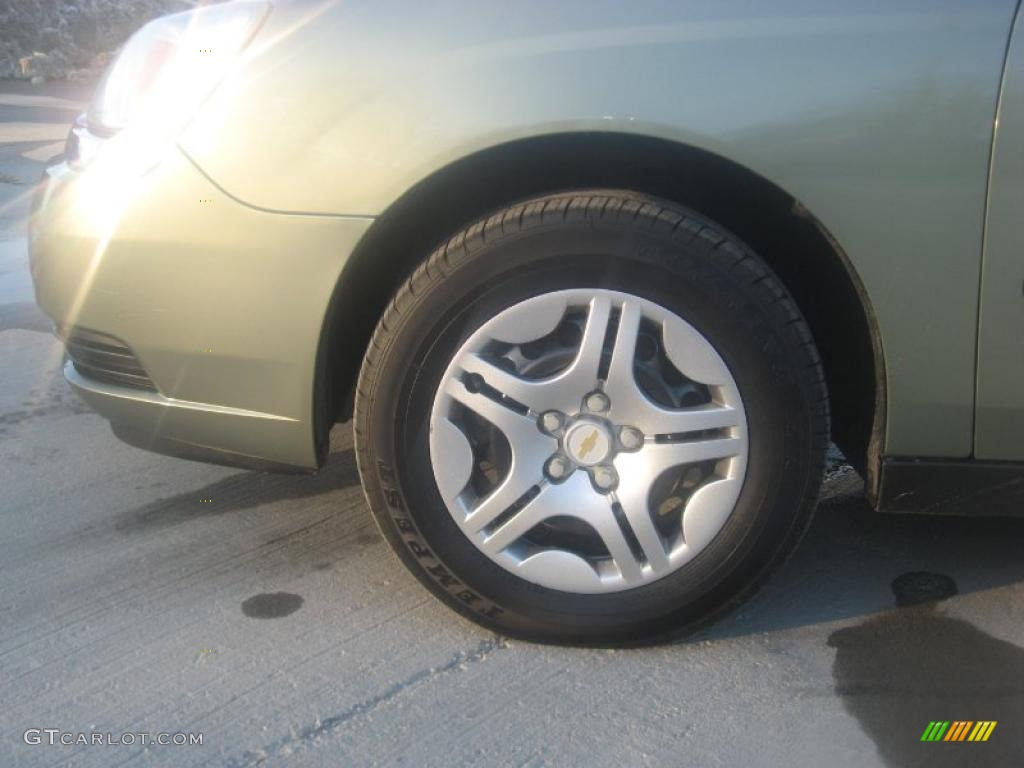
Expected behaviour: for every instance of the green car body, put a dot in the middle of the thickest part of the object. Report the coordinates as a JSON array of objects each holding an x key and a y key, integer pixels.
[{"x": 870, "y": 152}]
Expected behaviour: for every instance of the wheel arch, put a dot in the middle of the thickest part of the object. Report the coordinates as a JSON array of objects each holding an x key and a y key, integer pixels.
[{"x": 808, "y": 260}]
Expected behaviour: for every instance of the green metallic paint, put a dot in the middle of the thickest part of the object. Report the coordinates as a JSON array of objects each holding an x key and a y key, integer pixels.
[
  {"x": 875, "y": 116},
  {"x": 999, "y": 429},
  {"x": 165, "y": 277}
]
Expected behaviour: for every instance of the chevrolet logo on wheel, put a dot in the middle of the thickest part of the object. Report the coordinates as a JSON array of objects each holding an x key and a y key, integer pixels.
[{"x": 588, "y": 444}]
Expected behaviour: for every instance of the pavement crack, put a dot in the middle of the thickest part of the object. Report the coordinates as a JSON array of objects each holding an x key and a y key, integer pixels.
[{"x": 312, "y": 735}]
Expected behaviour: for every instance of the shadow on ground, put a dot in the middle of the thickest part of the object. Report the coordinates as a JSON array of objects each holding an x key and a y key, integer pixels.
[
  {"x": 896, "y": 670},
  {"x": 241, "y": 491},
  {"x": 903, "y": 664},
  {"x": 905, "y": 668},
  {"x": 846, "y": 564},
  {"x": 906, "y": 663},
  {"x": 842, "y": 570},
  {"x": 24, "y": 315}
]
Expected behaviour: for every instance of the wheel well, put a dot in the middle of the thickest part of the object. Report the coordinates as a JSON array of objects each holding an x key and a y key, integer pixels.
[{"x": 809, "y": 261}]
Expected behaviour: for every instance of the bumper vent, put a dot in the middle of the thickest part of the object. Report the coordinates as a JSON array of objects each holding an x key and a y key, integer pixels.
[{"x": 104, "y": 358}]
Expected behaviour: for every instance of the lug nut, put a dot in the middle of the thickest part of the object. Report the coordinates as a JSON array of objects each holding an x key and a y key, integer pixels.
[
  {"x": 558, "y": 468},
  {"x": 605, "y": 478},
  {"x": 596, "y": 402},
  {"x": 551, "y": 421},
  {"x": 632, "y": 439}
]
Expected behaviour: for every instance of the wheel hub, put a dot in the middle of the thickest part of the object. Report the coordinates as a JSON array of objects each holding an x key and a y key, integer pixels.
[{"x": 588, "y": 442}]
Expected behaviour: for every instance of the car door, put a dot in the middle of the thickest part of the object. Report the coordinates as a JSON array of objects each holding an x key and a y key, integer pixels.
[{"x": 999, "y": 422}]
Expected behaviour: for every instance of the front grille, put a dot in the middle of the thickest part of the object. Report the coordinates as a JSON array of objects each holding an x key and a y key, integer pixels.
[{"x": 104, "y": 358}]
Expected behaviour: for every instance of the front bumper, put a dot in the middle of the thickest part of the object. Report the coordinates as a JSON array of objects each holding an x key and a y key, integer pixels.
[{"x": 221, "y": 305}]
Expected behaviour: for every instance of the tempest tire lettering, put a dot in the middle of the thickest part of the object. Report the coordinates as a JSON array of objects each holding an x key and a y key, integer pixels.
[
  {"x": 393, "y": 499},
  {"x": 418, "y": 549},
  {"x": 445, "y": 579},
  {"x": 388, "y": 482},
  {"x": 387, "y": 475},
  {"x": 413, "y": 541}
]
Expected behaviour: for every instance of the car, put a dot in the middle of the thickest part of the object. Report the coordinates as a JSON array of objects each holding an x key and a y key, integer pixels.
[{"x": 595, "y": 282}]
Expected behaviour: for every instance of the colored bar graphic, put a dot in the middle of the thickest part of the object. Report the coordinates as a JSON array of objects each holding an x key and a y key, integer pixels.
[
  {"x": 935, "y": 730},
  {"x": 958, "y": 730}
]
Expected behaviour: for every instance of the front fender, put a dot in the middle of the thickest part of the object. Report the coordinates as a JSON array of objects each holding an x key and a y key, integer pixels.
[{"x": 876, "y": 116}]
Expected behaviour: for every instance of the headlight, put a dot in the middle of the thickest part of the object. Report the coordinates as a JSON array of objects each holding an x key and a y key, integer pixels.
[{"x": 169, "y": 67}]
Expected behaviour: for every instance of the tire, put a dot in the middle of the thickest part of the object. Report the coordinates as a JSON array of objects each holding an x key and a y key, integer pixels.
[{"x": 627, "y": 250}]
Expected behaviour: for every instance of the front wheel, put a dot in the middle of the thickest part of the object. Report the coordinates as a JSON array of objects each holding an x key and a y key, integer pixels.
[{"x": 592, "y": 418}]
